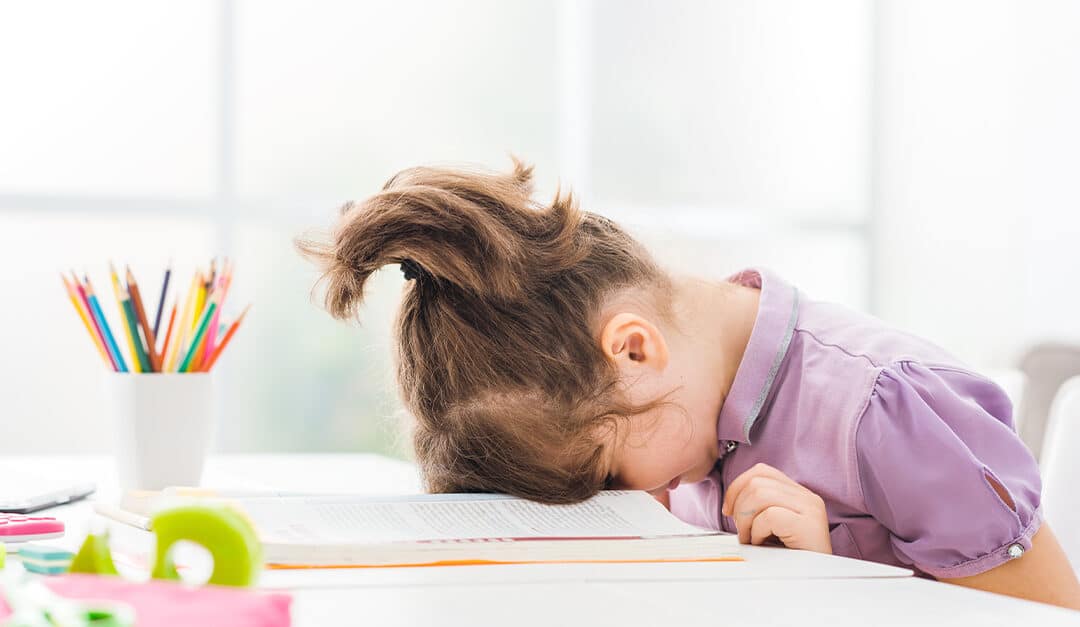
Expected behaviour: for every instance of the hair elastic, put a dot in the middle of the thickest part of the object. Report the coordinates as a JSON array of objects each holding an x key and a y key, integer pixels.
[{"x": 410, "y": 269}]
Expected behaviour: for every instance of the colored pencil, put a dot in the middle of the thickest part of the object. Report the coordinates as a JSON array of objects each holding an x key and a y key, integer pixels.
[
  {"x": 211, "y": 331},
  {"x": 168, "y": 334},
  {"x": 199, "y": 333},
  {"x": 110, "y": 341},
  {"x": 223, "y": 286},
  {"x": 181, "y": 327},
  {"x": 140, "y": 312},
  {"x": 161, "y": 301},
  {"x": 190, "y": 317},
  {"x": 78, "y": 288},
  {"x": 133, "y": 328},
  {"x": 199, "y": 350},
  {"x": 200, "y": 302},
  {"x": 98, "y": 326},
  {"x": 77, "y": 303},
  {"x": 209, "y": 363},
  {"x": 197, "y": 347},
  {"x": 136, "y": 363},
  {"x": 194, "y": 336}
]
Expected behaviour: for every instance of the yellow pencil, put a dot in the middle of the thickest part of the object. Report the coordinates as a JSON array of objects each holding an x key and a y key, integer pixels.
[
  {"x": 209, "y": 295},
  {"x": 200, "y": 300},
  {"x": 77, "y": 303},
  {"x": 182, "y": 330},
  {"x": 135, "y": 365}
]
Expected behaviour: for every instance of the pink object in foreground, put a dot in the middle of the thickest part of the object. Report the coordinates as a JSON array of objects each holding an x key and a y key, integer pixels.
[
  {"x": 27, "y": 527},
  {"x": 167, "y": 603}
]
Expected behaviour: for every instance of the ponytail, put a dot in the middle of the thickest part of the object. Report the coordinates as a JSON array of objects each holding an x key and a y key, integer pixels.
[{"x": 496, "y": 355}]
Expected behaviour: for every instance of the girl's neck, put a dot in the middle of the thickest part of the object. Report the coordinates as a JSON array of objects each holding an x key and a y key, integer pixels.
[{"x": 715, "y": 320}]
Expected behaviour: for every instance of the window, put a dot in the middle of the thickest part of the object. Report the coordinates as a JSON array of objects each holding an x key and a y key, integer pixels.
[{"x": 724, "y": 134}]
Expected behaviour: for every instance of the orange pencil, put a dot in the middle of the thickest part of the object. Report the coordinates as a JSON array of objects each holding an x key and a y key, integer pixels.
[
  {"x": 140, "y": 313},
  {"x": 168, "y": 334},
  {"x": 86, "y": 316},
  {"x": 224, "y": 341},
  {"x": 200, "y": 350}
]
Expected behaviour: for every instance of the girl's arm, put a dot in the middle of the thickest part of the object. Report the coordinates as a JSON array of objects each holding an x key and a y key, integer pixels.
[
  {"x": 941, "y": 467},
  {"x": 1043, "y": 574}
]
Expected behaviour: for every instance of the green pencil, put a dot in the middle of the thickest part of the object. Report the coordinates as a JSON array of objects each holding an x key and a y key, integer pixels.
[
  {"x": 199, "y": 333},
  {"x": 129, "y": 317}
]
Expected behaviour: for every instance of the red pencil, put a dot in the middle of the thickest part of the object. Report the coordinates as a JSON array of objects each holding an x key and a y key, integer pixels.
[{"x": 209, "y": 363}]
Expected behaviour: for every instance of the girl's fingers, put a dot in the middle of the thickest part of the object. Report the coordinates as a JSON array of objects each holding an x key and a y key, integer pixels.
[
  {"x": 756, "y": 474},
  {"x": 762, "y": 494},
  {"x": 774, "y": 521},
  {"x": 796, "y": 531},
  {"x": 764, "y": 502}
]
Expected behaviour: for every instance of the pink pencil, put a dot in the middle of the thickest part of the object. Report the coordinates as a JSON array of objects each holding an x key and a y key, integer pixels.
[
  {"x": 223, "y": 282},
  {"x": 208, "y": 364},
  {"x": 97, "y": 327}
]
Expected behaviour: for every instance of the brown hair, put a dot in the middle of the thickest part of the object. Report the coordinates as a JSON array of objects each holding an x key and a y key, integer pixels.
[{"x": 498, "y": 353}]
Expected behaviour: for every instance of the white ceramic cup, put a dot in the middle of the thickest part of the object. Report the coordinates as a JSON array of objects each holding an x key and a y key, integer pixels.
[{"x": 164, "y": 424}]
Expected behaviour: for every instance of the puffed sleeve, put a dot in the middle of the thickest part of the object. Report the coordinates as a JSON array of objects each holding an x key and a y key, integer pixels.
[
  {"x": 943, "y": 470},
  {"x": 698, "y": 503}
]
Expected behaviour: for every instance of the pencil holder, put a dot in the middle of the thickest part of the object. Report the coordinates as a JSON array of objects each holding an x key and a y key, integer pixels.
[{"x": 164, "y": 425}]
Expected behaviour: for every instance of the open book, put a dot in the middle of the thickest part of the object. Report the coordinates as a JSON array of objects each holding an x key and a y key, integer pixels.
[
  {"x": 442, "y": 529},
  {"x": 614, "y": 526}
]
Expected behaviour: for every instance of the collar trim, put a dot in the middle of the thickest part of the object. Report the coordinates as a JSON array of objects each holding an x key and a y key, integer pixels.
[{"x": 789, "y": 331}]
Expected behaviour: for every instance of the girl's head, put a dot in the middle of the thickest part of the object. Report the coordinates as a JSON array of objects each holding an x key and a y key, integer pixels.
[{"x": 533, "y": 342}]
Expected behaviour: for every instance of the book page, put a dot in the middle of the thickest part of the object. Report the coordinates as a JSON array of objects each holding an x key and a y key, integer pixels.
[{"x": 344, "y": 520}]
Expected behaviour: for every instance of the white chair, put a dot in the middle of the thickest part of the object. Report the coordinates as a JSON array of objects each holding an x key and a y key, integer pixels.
[
  {"x": 1060, "y": 465},
  {"x": 1047, "y": 366}
]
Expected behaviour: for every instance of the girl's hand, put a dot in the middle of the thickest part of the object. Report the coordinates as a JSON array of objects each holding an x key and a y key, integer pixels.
[{"x": 766, "y": 502}]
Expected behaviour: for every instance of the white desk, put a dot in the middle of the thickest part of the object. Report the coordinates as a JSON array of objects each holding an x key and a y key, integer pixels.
[
  {"x": 772, "y": 587},
  {"x": 876, "y": 601}
]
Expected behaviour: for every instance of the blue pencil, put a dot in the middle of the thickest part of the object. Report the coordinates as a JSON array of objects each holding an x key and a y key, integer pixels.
[
  {"x": 104, "y": 324},
  {"x": 161, "y": 301}
]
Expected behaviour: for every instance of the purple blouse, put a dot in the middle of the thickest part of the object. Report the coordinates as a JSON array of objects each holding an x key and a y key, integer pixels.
[{"x": 904, "y": 444}]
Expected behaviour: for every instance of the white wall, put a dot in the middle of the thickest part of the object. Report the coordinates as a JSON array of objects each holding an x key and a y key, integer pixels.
[
  {"x": 1050, "y": 171},
  {"x": 977, "y": 203},
  {"x": 725, "y": 133}
]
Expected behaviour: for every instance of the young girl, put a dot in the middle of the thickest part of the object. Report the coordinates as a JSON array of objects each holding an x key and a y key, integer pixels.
[{"x": 544, "y": 354}]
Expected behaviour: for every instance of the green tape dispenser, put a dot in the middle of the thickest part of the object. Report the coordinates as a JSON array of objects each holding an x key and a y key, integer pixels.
[{"x": 224, "y": 532}]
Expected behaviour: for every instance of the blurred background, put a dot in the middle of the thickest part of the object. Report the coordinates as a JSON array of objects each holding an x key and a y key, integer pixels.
[{"x": 917, "y": 160}]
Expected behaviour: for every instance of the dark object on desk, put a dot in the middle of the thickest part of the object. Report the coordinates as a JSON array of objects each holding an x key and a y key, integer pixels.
[{"x": 22, "y": 492}]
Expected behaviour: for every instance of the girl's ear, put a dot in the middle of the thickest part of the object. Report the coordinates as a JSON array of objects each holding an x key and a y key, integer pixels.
[{"x": 631, "y": 342}]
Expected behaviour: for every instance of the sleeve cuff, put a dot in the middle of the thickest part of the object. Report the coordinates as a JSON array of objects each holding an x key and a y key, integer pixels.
[{"x": 1011, "y": 550}]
